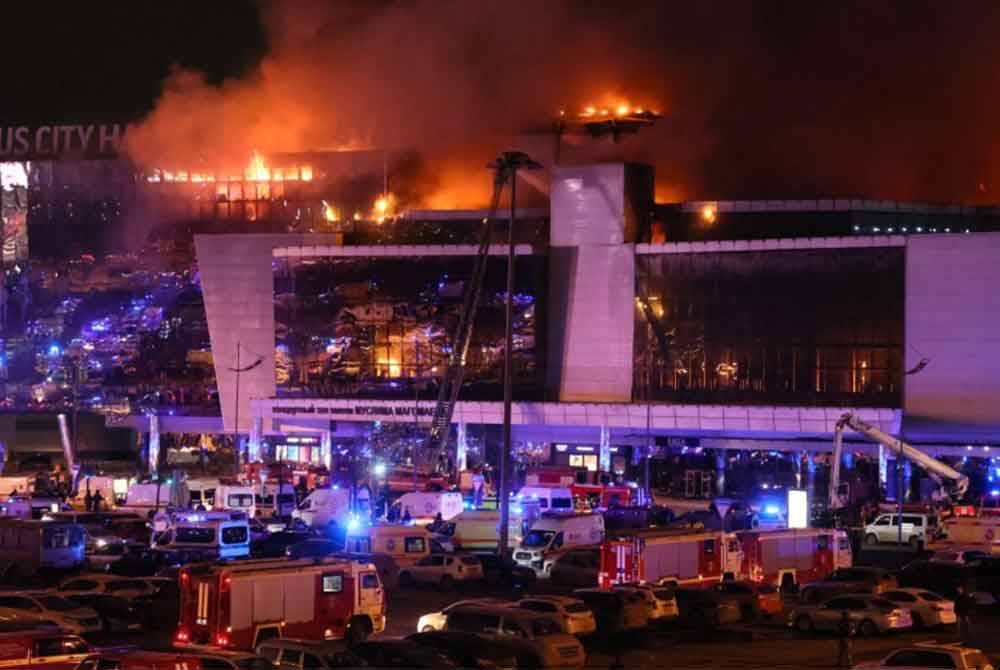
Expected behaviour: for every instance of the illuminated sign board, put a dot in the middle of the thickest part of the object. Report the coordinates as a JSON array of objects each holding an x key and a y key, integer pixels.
[
  {"x": 798, "y": 509},
  {"x": 93, "y": 140}
]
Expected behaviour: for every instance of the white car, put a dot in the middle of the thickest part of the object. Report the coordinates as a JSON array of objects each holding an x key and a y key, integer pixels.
[
  {"x": 45, "y": 606},
  {"x": 537, "y": 634},
  {"x": 931, "y": 655},
  {"x": 123, "y": 587},
  {"x": 443, "y": 569},
  {"x": 435, "y": 620},
  {"x": 926, "y": 608},
  {"x": 572, "y": 614},
  {"x": 660, "y": 601}
]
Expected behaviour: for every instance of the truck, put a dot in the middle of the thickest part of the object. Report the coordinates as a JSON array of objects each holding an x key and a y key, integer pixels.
[
  {"x": 238, "y": 605},
  {"x": 553, "y": 534},
  {"x": 26, "y": 547},
  {"x": 145, "y": 497},
  {"x": 424, "y": 507},
  {"x": 793, "y": 556},
  {"x": 952, "y": 485},
  {"x": 324, "y": 505},
  {"x": 689, "y": 557}
]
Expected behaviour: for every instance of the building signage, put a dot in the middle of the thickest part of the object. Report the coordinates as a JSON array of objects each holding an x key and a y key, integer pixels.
[
  {"x": 94, "y": 140},
  {"x": 373, "y": 412}
]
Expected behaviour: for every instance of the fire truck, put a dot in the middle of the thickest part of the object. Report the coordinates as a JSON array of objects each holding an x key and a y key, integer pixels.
[
  {"x": 237, "y": 605},
  {"x": 589, "y": 489},
  {"x": 691, "y": 557},
  {"x": 793, "y": 555}
]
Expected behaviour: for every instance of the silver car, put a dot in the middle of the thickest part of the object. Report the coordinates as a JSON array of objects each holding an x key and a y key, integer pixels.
[{"x": 869, "y": 615}]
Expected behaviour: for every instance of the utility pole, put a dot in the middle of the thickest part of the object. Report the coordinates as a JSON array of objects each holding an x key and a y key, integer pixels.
[{"x": 511, "y": 162}]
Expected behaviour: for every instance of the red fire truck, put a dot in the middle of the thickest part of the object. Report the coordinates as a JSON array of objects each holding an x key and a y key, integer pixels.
[
  {"x": 237, "y": 605},
  {"x": 691, "y": 557},
  {"x": 589, "y": 489},
  {"x": 798, "y": 556}
]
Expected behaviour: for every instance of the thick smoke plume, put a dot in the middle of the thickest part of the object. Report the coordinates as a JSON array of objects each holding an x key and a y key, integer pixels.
[{"x": 763, "y": 99}]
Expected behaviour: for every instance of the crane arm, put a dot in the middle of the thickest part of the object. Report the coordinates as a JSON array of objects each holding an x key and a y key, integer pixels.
[{"x": 946, "y": 476}]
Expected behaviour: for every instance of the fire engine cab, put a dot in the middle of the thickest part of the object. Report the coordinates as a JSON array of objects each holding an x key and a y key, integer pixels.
[
  {"x": 240, "y": 604},
  {"x": 798, "y": 556},
  {"x": 691, "y": 557}
]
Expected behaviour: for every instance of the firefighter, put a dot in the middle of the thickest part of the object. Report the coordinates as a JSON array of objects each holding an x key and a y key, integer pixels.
[
  {"x": 964, "y": 605},
  {"x": 845, "y": 631}
]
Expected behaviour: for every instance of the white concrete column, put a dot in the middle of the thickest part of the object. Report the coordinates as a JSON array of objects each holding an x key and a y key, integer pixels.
[
  {"x": 154, "y": 443},
  {"x": 883, "y": 466},
  {"x": 253, "y": 444},
  {"x": 326, "y": 449},
  {"x": 604, "y": 450},
  {"x": 461, "y": 448}
]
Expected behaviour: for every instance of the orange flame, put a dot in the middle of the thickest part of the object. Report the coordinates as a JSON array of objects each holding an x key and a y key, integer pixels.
[{"x": 257, "y": 170}]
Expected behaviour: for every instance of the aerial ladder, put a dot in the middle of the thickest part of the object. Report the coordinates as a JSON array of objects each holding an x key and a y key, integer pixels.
[
  {"x": 451, "y": 381},
  {"x": 952, "y": 484}
]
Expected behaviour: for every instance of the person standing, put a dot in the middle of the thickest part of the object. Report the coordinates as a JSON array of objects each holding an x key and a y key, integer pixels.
[
  {"x": 98, "y": 500},
  {"x": 88, "y": 501},
  {"x": 964, "y": 606},
  {"x": 845, "y": 631}
]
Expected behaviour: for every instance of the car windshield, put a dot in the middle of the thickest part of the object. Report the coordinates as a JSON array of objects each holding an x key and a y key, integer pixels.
[
  {"x": 663, "y": 594},
  {"x": 900, "y": 596},
  {"x": 538, "y": 538},
  {"x": 195, "y": 534},
  {"x": 562, "y": 503},
  {"x": 576, "y": 608},
  {"x": 931, "y": 597},
  {"x": 255, "y": 664},
  {"x": 470, "y": 560},
  {"x": 57, "y": 604}
]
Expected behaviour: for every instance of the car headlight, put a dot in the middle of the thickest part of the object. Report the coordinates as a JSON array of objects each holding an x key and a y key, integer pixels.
[{"x": 101, "y": 542}]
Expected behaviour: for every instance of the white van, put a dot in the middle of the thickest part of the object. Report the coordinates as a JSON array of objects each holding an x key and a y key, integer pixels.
[
  {"x": 278, "y": 499},
  {"x": 553, "y": 534},
  {"x": 424, "y": 507},
  {"x": 95, "y": 484},
  {"x": 404, "y": 543},
  {"x": 221, "y": 534},
  {"x": 917, "y": 529},
  {"x": 29, "y": 546},
  {"x": 146, "y": 497},
  {"x": 550, "y": 499},
  {"x": 479, "y": 529},
  {"x": 322, "y": 506},
  {"x": 201, "y": 491}
]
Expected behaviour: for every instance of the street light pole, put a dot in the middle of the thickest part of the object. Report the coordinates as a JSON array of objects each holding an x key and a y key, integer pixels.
[{"x": 511, "y": 161}]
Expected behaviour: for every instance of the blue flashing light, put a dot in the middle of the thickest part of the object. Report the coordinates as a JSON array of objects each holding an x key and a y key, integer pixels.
[
  {"x": 771, "y": 510},
  {"x": 54, "y": 350},
  {"x": 466, "y": 505},
  {"x": 516, "y": 509},
  {"x": 995, "y": 493},
  {"x": 353, "y": 524},
  {"x": 379, "y": 469}
]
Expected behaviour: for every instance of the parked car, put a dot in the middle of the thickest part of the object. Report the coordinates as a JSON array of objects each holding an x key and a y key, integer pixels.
[
  {"x": 469, "y": 650},
  {"x": 276, "y": 545},
  {"x": 958, "y": 556},
  {"x": 161, "y": 607},
  {"x": 572, "y": 614},
  {"x": 943, "y": 578},
  {"x": 443, "y": 569},
  {"x": 144, "y": 562},
  {"x": 615, "y": 611},
  {"x": 932, "y": 655},
  {"x": 926, "y": 608},
  {"x": 755, "y": 599},
  {"x": 577, "y": 567},
  {"x": 125, "y": 587},
  {"x": 103, "y": 550},
  {"x": 65, "y": 613},
  {"x": 314, "y": 547},
  {"x": 402, "y": 654},
  {"x": 537, "y": 637},
  {"x": 116, "y": 614},
  {"x": 705, "y": 607},
  {"x": 435, "y": 620},
  {"x": 502, "y": 571},
  {"x": 872, "y": 580},
  {"x": 289, "y": 654},
  {"x": 231, "y": 660},
  {"x": 870, "y": 615},
  {"x": 661, "y": 604},
  {"x": 819, "y": 592}
]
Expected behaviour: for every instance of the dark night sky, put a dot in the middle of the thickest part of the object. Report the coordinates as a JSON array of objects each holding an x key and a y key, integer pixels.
[{"x": 878, "y": 98}]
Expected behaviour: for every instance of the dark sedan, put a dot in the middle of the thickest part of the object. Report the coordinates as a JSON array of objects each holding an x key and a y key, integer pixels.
[
  {"x": 468, "y": 650},
  {"x": 117, "y": 614},
  {"x": 276, "y": 545}
]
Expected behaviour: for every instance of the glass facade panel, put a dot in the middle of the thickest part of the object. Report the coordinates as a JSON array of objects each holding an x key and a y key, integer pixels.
[
  {"x": 384, "y": 327},
  {"x": 800, "y": 327}
]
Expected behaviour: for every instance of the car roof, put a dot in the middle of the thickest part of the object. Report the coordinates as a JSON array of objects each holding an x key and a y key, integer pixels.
[{"x": 312, "y": 645}]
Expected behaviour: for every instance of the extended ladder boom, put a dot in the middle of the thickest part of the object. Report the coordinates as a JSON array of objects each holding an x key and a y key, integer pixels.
[
  {"x": 451, "y": 381},
  {"x": 953, "y": 482}
]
